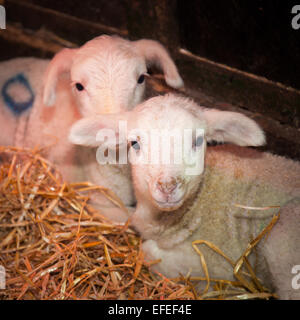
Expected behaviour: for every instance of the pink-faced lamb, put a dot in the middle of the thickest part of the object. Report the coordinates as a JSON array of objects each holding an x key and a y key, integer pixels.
[
  {"x": 105, "y": 75},
  {"x": 207, "y": 195}
]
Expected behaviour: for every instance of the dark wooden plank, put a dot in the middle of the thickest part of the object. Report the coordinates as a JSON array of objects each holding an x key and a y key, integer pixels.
[
  {"x": 108, "y": 12},
  {"x": 72, "y": 28},
  {"x": 16, "y": 42},
  {"x": 242, "y": 89}
]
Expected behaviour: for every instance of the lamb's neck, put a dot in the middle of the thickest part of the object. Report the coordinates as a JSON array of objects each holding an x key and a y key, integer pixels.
[{"x": 144, "y": 221}]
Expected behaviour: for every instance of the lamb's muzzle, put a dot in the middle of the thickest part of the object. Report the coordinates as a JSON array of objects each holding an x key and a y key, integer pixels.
[{"x": 167, "y": 192}]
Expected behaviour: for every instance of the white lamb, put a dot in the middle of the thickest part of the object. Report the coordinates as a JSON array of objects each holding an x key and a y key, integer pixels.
[
  {"x": 105, "y": 75},
  {"x": 175, "y": 208}
]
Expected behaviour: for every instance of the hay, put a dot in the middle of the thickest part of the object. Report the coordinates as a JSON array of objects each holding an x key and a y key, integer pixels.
[{"x": 54, "y": 245}]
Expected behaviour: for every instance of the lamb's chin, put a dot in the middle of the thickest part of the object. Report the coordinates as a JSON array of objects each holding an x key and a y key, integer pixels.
[{"x": 168, "y": 206}]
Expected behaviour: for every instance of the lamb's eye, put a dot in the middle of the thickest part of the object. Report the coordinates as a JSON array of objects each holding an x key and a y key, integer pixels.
[
  {"x": 199, "y": 141},
  {"x": 141, "y": 79},
  {"x": 135, "y": 145},
  {"x": 79, "y": 86}
]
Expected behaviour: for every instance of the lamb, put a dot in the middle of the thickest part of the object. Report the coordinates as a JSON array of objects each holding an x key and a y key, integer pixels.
[
  {"x": 105, "y": 75},
  {"x": 205, "y": 199}
]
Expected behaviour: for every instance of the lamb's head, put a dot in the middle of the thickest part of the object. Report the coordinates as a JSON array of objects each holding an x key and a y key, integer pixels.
[
  {"x": 107, "y": 74},
  {"x": 167, "y": 138}
]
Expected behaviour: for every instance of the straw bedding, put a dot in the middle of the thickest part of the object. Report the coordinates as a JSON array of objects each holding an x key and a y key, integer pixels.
[{"x": 54, "y": 245}]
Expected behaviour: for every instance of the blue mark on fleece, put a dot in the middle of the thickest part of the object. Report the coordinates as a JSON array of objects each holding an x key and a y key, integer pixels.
[{"x": 17, "y": 107}]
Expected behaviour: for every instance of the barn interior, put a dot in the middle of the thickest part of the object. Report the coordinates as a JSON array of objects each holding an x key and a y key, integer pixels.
[{"x": 232, "y": 55}]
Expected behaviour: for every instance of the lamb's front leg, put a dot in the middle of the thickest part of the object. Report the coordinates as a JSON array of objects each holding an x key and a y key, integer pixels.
[
  {"x": 282, "y": 251},
  {"x": 176, "y": 261}
]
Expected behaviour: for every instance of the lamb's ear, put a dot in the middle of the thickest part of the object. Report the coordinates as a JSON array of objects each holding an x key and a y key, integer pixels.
[
  {"x": 155, "y": 53},
  {"x": 61, "y": 63},
  {"x": 233, "y": 127},
  {"x": 91, "y": 131}
]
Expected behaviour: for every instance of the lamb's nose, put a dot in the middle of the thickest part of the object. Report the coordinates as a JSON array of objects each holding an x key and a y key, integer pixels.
[{"x": 167, "y": 185}]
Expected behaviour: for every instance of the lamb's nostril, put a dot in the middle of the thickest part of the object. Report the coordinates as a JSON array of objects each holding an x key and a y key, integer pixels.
[
  {"x": 159, "y": 185},
  {"x": 167, "y": 186}
]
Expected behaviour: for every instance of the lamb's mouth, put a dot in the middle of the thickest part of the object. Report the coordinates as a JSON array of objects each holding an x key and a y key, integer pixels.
[{"x": 168, "y": 205}]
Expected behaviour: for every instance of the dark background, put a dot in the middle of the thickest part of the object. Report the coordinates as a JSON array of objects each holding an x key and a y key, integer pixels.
[{"x": 254, "y": 36}]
